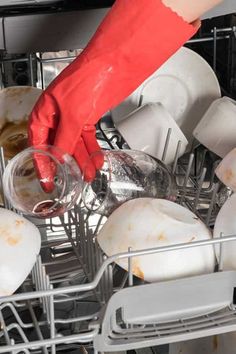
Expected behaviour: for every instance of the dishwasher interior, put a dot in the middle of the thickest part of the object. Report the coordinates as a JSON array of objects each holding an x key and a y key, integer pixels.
[{"x": 75, "y": 299}]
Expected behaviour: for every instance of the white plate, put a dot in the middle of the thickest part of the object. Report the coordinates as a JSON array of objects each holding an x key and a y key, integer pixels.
[
  {"x": 185, "y": 85},
  {"x": 217, "y": 344},
  {"x": 16, "y": 103},
  {"x": 226, "y": 224}
]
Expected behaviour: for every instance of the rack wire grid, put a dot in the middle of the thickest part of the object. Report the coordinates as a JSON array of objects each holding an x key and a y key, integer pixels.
[{"x": 67, "y": 302}]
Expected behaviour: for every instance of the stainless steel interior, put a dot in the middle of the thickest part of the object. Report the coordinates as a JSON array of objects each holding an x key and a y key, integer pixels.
[{"x": 59, "y": 308}]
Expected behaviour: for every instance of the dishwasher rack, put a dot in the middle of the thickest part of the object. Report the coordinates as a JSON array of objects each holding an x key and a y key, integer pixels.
[{"x": 77, "y": 299}]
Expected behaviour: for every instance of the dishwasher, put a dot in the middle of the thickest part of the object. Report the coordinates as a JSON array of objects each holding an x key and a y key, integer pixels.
[{"x": 75, "y": 300}]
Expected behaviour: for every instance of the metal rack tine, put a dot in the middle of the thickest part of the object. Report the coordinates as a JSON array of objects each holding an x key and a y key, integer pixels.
[
  {"x": 177, "y": 153},
  {"x": 167, "y": 141},
  {"x": 200, "y": 184},
  {"x": 130, "y": 278}
]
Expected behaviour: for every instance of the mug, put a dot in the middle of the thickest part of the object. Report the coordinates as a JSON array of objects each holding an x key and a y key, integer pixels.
[{"x": 217, "y": 128}]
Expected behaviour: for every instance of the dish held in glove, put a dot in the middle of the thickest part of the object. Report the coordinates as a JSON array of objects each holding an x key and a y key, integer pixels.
[
  {"x": 20, "y": 243},
  {"x": 58, "y": 187},
  {"x": 147, "y": 223}
]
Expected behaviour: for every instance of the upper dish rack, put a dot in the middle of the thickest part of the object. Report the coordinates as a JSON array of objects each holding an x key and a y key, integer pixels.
[{"x": 76, "y": 298}]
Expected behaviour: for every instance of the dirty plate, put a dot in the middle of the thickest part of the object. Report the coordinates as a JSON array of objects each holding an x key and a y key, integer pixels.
[
  {"x": 225, "y": 225},
  {"x": 16, "y": 103},
  {"x": 147, "y": 223},
  {"x": 20, "y": 244}
]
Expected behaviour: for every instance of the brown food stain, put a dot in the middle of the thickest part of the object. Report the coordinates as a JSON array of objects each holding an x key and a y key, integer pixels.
[
  {"x": 9, "y": 238},
  {"x": 192, "y": 239},
  {"x": 136, "y": 269},
  {"x": 25, "y": 194},
  {"x": 215, "y": 342},
  {"x": 228, "y": 175},
  {"x": 13, "y": 241},
  {"x": 13, "y": 138},
  {"x": 17, "y": 91},
  {"x": 2, "y": 123},
  {"x": 19, "y": 222},
  {"x": 162, "y": 237}
]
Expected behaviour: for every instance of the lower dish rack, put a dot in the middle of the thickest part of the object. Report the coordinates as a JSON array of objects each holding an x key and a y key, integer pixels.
[{"x": 78, "y": 299}]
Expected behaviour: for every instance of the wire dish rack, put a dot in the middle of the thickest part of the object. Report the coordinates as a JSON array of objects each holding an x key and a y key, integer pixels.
[{"x": 78, "y": 299}]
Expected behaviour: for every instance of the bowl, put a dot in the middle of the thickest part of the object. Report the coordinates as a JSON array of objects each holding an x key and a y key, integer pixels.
[
  {"x": 147, "y": 223},
  {"x": 20, "y": 243}
]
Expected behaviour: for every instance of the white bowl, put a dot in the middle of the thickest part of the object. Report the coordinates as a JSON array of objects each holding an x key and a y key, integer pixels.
[
  {"x": 146, "y": 130},
  {"x": 20, "y": 243},
  {"x": 16, "y": 103},
  {"x": 226, "y": 224},
  {"x": 147, "y": 223}
]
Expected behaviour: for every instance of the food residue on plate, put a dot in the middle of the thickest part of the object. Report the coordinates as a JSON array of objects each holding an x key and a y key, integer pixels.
[
  {"x": 136, "y": 270},
  {"x": 13, "y": 138},
  {"x": 17, "y": 91},
  {"x": 19, "y": 222},
  {"x": 10, "y": 238}
]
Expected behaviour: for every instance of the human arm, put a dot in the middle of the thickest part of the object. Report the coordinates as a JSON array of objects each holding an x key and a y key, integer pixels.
[{"x": 134, "y": 39}]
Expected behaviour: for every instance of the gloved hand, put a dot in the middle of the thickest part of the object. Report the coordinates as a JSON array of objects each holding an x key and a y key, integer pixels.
[{"x": 134, "y": 39}]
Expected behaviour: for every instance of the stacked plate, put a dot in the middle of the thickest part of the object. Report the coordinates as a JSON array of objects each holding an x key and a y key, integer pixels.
[{"x": 185, "y": 86}]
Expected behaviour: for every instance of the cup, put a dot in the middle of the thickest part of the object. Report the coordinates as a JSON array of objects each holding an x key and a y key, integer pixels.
[
  {"x": 226, "y": 170},
  {"x": 217, "y": 128},
  {"x": 24, "y": 188},
  {"x": 146, "y": 129},
  {"x": 126, "y": 175}
]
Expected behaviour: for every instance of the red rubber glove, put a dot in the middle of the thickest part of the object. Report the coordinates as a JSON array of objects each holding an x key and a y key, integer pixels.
[{"x": 134, "y": 39}]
